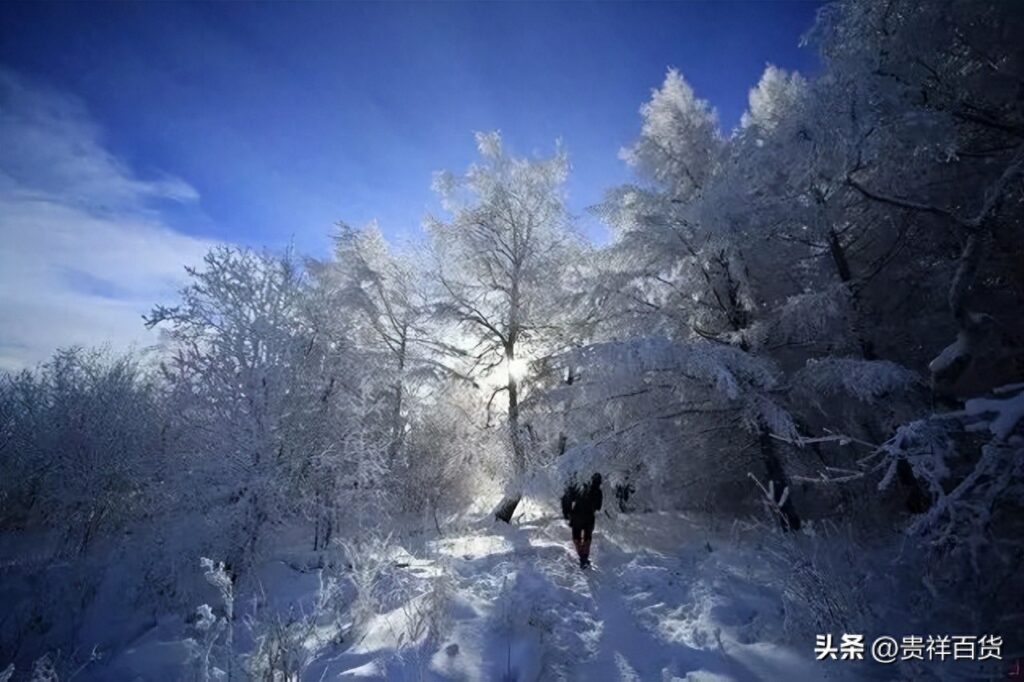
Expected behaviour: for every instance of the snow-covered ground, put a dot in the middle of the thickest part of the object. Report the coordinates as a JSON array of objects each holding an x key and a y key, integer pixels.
[{"x": 666, "y": 601}]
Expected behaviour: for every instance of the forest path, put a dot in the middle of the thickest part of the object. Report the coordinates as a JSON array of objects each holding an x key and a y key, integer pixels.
[
  {"x": 667, "y": 601},
  {"x": 629, "y": 649},
  {"x": 660, "y": 605}
]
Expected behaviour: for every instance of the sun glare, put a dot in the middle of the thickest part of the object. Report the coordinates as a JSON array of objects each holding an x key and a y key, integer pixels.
[{"x": 517, "y": 369}]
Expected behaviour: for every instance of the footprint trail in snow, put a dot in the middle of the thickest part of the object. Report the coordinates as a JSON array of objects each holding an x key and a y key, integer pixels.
[{"x": 657, "y": 606}]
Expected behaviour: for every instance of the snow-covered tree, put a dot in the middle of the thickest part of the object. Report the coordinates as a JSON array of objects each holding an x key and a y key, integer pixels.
[
  {"x": 943, "y": 79},
  {"x": 273, "y": 401},
  {"x": 679, "y": 142},
  {"x": 500, "y": 262},
  {"x": 382, "y": 308},
  {"x": 678, "y": 265},
  {"x": 667, "y": 264},
  {"x": 83, "y": 446}
]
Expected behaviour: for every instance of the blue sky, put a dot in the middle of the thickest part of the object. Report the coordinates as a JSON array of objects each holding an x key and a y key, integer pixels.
[{"x": 261, "y": 123}]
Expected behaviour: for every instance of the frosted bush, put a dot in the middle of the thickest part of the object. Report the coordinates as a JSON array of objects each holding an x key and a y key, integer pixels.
[{"x": 286, "y": 643}]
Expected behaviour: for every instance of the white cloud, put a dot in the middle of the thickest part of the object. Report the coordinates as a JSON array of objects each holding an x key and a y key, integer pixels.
[{"x": 84, "y": 250}]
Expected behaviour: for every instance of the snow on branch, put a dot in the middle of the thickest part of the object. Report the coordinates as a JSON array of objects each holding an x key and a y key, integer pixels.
[
  {"x": 804, "y": 318},
  {"x": 865, "y": 380},
  {"x": 965, "y": 495},
  {"x": 1006, "y": 413}
]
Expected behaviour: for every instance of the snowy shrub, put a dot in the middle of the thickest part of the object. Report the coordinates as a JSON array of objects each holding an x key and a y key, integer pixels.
[
  {"x": 964, "y": 516},
  {"x": 969, "y": 464},
  {"x": 284, "y": 644},
  {"x": 47, "y": 602},
  {"x": 372, "y": 572},
  {"x": 84, "y": 438},
  {"x": 209, "y": 629},
  {"x": 280, "y": 653},
  {"x": 54, "y": 667},
  {"x": 422, "y": 621},
  {"x": 428, "y": 614},
  {"x": 44, "y": 670},
  {"x": 823, "y": 575},
  {"x": 216, "y": 633}
]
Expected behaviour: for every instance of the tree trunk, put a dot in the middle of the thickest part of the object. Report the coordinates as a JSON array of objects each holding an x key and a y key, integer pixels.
[
  {"x": 508, "y": 505},
  {"x": 963, "y": 279},
  {"x": 518, "y": 452},
  {"x": 316, "y": 532},
  {"x": 788, "y": 517},
  {"x": 838, "y": 253},
  {"x": 397, "y": 427},
  {"x": 563, "y": 437},
  {"x": 916, "y": 500},
  {"x": 328, "y": 530}
]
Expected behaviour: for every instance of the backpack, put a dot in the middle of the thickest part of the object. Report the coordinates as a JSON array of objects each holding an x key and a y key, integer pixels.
[{"x": 568, "y": 497}]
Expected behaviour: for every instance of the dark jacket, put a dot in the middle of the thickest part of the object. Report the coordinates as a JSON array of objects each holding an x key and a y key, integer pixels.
[{"x": 580, "y": 504}]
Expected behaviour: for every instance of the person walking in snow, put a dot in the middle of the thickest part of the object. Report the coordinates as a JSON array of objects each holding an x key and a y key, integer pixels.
[{"x": 580, "y": 505}]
